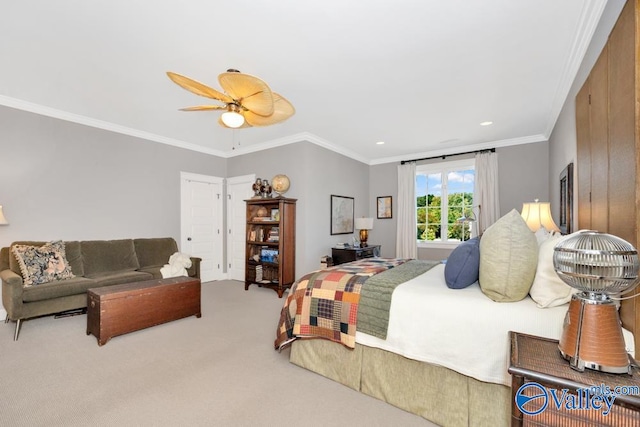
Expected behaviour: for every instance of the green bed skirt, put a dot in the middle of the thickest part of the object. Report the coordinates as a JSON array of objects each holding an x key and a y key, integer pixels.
[{"x": 433, "y": 392}]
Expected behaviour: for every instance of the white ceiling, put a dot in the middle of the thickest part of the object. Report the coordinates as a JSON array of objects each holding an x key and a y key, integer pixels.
[{"x": 419, "y": 75}]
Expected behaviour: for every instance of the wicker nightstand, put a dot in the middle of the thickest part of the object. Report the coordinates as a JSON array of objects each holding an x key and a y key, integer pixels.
[{"x": 536, "y": 360}]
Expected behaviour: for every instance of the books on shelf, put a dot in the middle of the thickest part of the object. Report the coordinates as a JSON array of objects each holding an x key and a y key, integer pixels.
[
  {"x": 262, "y": 218},
  {"x": 274, "y": 235},
  {"x": 258, "y": 273},
  {"x": 269, "y": 255},
  {"x": 256, "y": 235}
]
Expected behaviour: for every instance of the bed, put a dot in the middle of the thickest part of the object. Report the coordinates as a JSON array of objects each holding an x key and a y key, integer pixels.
[{"x": 446, "y": 351}]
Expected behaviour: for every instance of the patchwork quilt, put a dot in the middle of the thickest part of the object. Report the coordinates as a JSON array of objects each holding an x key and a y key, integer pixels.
[{"x": 324, "y": 303}]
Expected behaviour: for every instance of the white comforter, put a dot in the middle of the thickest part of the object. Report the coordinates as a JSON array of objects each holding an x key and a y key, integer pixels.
[{"x": 462, "y": 329}]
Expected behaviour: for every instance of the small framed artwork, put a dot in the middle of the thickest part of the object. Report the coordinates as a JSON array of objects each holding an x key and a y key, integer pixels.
[
  {"x": 566, "y": 199},
  {"x": 384, "y": 207},
  {"x": 341, "y": 215},
  {"x": 275, "y": 214}
]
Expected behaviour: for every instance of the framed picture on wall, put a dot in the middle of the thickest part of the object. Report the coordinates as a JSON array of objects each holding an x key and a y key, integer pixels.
[
  {"x": 341, "y": 215},
  {"x": 566, "y": 199},
  {"x": 384, "y": 207}
]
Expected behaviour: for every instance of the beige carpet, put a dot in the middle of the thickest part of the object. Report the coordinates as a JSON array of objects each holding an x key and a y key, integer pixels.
[{"x": 219, "y": 370}]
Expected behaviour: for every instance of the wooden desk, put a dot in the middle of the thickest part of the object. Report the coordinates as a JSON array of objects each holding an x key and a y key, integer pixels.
[{"x": 342, "y": 255}]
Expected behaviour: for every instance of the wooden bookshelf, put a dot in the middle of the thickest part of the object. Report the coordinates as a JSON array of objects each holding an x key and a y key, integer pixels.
[{"x": 271, "y": 249}]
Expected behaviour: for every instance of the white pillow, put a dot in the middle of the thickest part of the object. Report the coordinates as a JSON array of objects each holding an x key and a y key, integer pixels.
[
  {"x": 542, "y": 234},
  {"x": 508, "y": 259},
  {"x": 548, "y": 290}
]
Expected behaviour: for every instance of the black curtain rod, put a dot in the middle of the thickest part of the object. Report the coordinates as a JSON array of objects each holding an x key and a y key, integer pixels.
[{"x": 444, "y": 156}]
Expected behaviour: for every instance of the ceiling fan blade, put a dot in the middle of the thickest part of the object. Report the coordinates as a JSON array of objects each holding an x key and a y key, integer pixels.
[
  {"x": 283, "y": 109},
  {"x": 204, "y": 108},
  {"x": 197, "y": 87},
  {"x": 251, "y": 92},
  {"x": 244, "y": 125}
]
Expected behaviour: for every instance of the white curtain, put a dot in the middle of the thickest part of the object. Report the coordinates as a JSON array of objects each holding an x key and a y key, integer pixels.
[
  {"x": 486, "y": 190},
  {"x": 406, "y": 241}
]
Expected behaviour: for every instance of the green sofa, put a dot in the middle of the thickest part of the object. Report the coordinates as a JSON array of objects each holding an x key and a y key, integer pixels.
[{"x": 94, "y": 263}]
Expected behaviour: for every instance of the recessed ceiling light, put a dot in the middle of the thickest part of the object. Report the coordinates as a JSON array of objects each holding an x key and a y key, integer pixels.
[
  {"x": 380, "y": 142},
  {"x": 486, "y": 123}
]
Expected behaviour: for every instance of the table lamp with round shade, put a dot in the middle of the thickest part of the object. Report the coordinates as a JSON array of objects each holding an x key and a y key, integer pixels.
[
  {"x": 364, "y": 225},
  {"x": 598, "y": 265}
]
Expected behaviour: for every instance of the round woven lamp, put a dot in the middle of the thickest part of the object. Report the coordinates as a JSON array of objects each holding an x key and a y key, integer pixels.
[{"x": 598, "y": 265}]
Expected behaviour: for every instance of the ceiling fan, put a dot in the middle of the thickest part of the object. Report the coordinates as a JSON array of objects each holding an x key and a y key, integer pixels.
[{"x": 248, "y": 101}]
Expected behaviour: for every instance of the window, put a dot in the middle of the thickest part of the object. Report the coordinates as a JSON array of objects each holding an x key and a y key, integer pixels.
[{"x": 444, "y": 194}]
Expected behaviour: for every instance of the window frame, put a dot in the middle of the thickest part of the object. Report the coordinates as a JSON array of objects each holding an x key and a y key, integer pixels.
[{"x": 443, "y": 167}]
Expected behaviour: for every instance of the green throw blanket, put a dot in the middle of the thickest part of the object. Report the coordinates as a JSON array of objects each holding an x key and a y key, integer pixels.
[{"x": 375, "y": 295}]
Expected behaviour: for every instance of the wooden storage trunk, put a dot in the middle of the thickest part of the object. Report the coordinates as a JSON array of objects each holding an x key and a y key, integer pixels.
[{"x": 119, "y": 309}]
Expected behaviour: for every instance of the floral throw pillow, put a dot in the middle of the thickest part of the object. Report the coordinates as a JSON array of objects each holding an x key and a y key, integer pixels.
[{"x": 42, "y": 264}]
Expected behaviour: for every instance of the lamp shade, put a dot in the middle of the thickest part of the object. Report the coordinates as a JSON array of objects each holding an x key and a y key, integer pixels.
[
  {"x": 538, "y": 215},
  {"x": 364, "y": 223},
  {"x": 3, "y": 220}
]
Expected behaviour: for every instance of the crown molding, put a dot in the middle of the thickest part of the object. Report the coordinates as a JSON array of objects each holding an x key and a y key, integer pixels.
[
  {"x": 291, "y": 139},
  {"x": 87, "y": 121},
  {"x": 482, "y": 146},
  {"x": 589, "y": 19}
]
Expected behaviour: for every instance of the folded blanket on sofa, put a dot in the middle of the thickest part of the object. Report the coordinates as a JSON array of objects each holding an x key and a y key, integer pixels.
[{"x": 178, "y": 264}]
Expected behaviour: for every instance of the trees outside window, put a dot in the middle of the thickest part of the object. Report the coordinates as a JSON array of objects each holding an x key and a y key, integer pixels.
[{"x": 444, "y": 194}]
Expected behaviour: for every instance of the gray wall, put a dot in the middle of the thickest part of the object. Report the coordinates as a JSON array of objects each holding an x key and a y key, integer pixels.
[
  {"x": 315, "y": 174},
  {"x": 60, "y": 180},
  {"x": 524, "y": 176}
]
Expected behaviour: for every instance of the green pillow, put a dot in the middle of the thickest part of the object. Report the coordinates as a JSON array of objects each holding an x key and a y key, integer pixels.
[{"x": 508, "y": 259}]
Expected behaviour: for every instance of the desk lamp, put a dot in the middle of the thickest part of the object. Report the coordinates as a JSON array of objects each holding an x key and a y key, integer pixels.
[{"x": 364, "y": 225}]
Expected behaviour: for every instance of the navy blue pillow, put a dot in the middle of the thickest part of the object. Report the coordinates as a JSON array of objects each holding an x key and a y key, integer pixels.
[{"x": 463, "y": 265}]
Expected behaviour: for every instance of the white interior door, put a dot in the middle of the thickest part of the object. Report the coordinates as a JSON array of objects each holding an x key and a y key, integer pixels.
[
  {"x": 238, "y": 190},
  {"x": 201, "y": 222}
]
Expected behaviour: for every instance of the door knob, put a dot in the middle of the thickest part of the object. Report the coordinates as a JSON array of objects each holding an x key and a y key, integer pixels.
[{"x": 189, "y": 238}]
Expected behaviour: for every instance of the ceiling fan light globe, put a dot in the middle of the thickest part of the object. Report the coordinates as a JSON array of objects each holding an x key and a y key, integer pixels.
[{"x": 232, "y": 119}]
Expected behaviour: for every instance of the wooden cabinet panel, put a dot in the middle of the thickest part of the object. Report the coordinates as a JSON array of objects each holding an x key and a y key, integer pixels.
[
  {"x": 608, "y": 148},
  {"x": 622, "y": 161},
  {"x": 583, "y": 138},
  {"x": 598, "y": 81}
]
